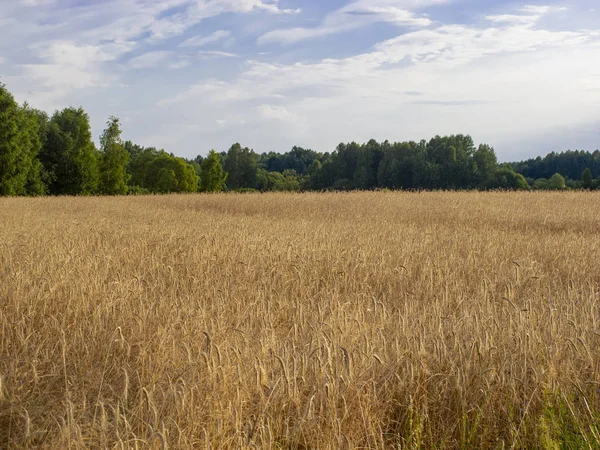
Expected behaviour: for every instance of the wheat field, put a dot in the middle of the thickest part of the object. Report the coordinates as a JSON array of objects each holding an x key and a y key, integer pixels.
[{"x": 301, "y": 321}]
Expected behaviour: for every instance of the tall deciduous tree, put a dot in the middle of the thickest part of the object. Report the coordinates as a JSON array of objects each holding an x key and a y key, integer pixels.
[
  {"x": 113, "y": 160},
  {"x": 241, "y": 165},
  {"x": 19, "y": 145},
  {"x": 587, "y": 179},
  {"x": 69, "y": 156},
  {"x": 485, "y": 164},
  {"x": 212, "y": 176}
]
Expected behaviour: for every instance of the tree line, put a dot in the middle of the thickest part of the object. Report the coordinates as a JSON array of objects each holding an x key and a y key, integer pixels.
[{"x": 56, "y": 155}]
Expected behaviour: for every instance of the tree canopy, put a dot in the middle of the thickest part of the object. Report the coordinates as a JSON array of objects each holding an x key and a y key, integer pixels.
[
  {"x": 68, "y": 155},
  {"x": 57, "y": 155},
  {"x": 113, "y": 160},
  {"x": 20, "y": 168},
  {"x": 212, "y": 178}
]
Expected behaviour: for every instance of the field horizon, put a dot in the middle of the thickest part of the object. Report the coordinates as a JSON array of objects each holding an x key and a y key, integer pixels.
[{"x": 383, "y": 320}]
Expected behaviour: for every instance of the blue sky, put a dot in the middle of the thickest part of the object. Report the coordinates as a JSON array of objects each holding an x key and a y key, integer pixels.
[{"x": 191, "y": 75}]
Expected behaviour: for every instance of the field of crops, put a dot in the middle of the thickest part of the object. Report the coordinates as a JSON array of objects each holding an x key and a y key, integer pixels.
[{"x": 301, "y": 321}]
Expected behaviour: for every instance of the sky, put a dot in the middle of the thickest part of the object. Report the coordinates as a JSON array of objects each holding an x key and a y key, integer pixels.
[{"x": 191, "y": 75}]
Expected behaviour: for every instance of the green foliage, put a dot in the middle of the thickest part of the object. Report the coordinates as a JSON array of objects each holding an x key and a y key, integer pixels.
[
  {"x": 35, "y": 175},
  {"x": 289, "y": 180},
  {"x": 38, "y": 154},
  {"x": 401, "y": 165},
  {"x": 298, "y": 159},
  {"x": 159, "y": 172},
  {"x": 315, "y": 175},
  {"x": 485, "y": 164},
  {"x": 540, "y": 184},
  {"x": 166, "y": 181},
  {"x": 587, "y": 179},
  {"x": 557, "y": 182},
  {"x": 558, "y": 428},
  {"x": 343, "y": 184},
  {"x": 113, "y": 160},
  {"x": 166, "y": 173},
  {"x": 449, "y": 162},
  {"x": 20, "y": 143},
  {"x": 69, "y": 156},
  {"x": 139, "y": 160},
  {"x": 213, "y": 176},
  {"x": 241, "y": 167},
  {"x": 136, "y": 190},
  {"x": 569, "y": 164},
  {"x": 506, "y": 178}
]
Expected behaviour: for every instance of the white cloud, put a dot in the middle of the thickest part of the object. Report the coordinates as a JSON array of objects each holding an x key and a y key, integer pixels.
[
  {"x": 355, "y": 15},
  {"x": 276, "y": 113},
  {"x": 541, "y": 9},
  {"x": 179, "y": 64},
  {"x": 37, "y": 2},
  {"x": 100, "y": 34},
  {"x": 157, "y": 59},
  {"x": 150, "y": 59},
  {"x": 132, "y": 18},
  {"x": 210, "y": 54},
  {"x": 199, "y": 41},
  {"x": 513, "y": 19},
  {"x": 532, "y": 14},
  {"x": 66, "y": 66},
  {"x": 507, "y": 79}
]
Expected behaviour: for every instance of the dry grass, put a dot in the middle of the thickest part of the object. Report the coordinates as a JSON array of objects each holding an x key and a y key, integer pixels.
[{"x": 364, "y": 320}]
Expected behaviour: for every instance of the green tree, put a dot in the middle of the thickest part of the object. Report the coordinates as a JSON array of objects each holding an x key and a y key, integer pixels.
[
  {"x": 113, "y": 160},
  {"x": 139, "y": 160},
  {"x": 212, "y": 175},
  {"x": 587, "y": 179},
  {"x": 316, "y": 176},
  {"x": 167, "y": 173},
  {"x": 20, "y": 170},
  {"x": 158, "y": 171},
  {"x": 241, "y": 166},
  {"x": 569, "y": 164},
  {"x": 291, "y": 181},
  {"x": 557, "y": 182},
  {"x": 485, "y": 164},
  {"x": 187, "y": 178},
  {"x": 69, "y": 156},
  {"x": 166, "y": 181},
  {"x": 506, "y": 178},
  {"x": 397, "y": 168}
]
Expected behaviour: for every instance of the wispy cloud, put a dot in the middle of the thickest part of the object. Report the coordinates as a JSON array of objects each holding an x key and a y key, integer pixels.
[
  {"x": 206, "y": 54},
  {"x": 199, "y": 41},
  {"x": 448, "y": 67},
  {"x": 530, "y": 15},
  {"x": 101, "y": 35},
  {"x": 148, "y": 60},
  {"x": 179, "y": 70},
  {"x": 355, "y": 15}
]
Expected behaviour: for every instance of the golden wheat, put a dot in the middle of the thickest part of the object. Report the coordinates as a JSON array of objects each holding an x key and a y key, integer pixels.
[{"x": 301, "y": 321}]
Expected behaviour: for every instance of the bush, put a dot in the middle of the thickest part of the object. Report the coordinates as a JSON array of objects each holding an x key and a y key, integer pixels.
[
  {"x": 557, "y": 182},
  {"x": 137, "y": 190}
]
